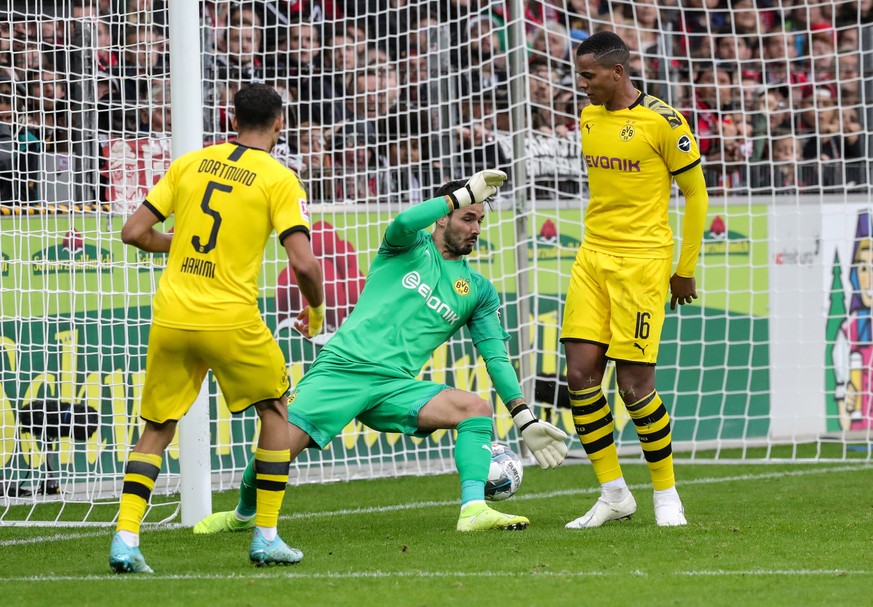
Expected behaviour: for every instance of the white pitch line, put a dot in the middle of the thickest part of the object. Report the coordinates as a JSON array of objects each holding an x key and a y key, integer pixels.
[
  {"x": 759, "y": 572},
  {"x": 354, "y": 575},
  {"x": 58, "y": 537},
  {"x": 565, "y": 492},
  {"x": 438, "y": 504}
]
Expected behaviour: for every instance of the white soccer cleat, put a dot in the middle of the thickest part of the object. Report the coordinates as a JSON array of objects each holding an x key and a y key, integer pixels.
[
  {"x": 603, "y": 512},
  {"x": 669, "y": 511}
]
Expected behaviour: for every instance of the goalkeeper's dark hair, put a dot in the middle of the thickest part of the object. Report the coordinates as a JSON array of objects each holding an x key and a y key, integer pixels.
[
  {"x": 449, "y": 187},
  {"x": 607, "y": 47},
  {"x": 256, "y": 106}
]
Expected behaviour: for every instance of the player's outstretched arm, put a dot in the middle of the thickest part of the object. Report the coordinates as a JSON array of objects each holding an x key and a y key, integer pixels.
[
  {"x": 545, "y": 441},
  {"x": 139, "y": 231},
  {"x": 403, "y": 231},
  {"x": 307, "y": 271},
  {"x": 481, "y": 186}
]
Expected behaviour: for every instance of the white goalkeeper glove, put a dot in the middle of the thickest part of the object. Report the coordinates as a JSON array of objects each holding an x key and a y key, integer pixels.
[
  {"x": 481, "y": 186},
  {"x": 545, "y": 441}
]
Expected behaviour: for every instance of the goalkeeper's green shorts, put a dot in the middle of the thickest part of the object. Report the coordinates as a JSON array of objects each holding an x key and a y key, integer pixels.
[{"x": 334, "y": 391}]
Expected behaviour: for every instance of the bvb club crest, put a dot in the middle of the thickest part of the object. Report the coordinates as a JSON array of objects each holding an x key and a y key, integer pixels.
[
  {"x": 462, "y": 287},
  {"x": 627, "y": 133}
]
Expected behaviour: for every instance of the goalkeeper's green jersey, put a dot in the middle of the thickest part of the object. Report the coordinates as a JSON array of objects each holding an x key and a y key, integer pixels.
[{"x": 413, "y": 301}]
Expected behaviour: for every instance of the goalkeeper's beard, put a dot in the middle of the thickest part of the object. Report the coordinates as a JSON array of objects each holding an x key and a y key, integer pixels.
[{"x": 455, "y": 245}]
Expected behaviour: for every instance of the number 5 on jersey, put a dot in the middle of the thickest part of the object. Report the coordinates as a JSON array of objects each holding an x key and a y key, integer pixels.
[{"x": 211, "y": 188}]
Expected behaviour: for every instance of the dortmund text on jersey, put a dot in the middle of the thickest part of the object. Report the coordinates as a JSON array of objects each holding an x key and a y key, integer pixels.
[{"x": 227, "y": 200}]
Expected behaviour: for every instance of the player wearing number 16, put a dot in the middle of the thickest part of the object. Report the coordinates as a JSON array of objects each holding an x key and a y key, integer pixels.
[
  {"x": 634, "y": 146},
  {"x": 227, "y": 199}
]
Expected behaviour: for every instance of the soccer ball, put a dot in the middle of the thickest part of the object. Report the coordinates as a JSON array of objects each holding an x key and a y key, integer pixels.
[{"x": 504, "y": 476}]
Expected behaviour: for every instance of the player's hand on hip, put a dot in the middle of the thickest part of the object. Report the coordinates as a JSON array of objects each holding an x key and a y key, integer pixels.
[
  {"x": 546, "y": 442},
  {"x": 481, "y": 186},
  {"x": 682, "y": 290}
]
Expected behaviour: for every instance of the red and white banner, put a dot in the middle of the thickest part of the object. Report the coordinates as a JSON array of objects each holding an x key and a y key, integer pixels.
[{"x": 133, "y": 166}]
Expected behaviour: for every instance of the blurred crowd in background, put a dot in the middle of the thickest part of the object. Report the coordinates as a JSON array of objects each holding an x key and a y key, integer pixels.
[{"x": 387, "y": 98}]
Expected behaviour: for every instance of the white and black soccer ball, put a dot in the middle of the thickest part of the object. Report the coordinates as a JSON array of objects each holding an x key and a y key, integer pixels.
[{"x": 505, "y": 474}]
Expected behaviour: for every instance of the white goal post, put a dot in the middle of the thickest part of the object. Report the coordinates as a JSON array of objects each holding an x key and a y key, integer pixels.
[{"x": 385, "y": 101}]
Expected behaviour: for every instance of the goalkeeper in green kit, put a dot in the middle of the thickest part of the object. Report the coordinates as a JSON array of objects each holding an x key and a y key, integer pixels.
[{"x": 419, "y": 292}]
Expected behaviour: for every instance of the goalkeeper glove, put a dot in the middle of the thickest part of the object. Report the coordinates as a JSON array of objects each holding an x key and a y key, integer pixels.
[
  {"x": 316, "y": 319},
  {"x": 544, "y": 440},
  {"x": 481, "y": 186}
]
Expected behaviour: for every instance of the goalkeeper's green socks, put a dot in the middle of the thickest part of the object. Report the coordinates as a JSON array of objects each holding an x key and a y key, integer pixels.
[
  {"x": 473, "y": 457},
  {"x": 248, "y": 495}
]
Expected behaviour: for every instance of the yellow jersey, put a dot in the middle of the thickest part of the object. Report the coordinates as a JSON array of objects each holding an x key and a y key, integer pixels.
[
  {"x": 227, "y": 199},
  {"x": 632, "y": 156}
]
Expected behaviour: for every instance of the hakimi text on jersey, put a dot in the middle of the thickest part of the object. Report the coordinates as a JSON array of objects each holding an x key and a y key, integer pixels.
[{"x": 198, "y": 267}]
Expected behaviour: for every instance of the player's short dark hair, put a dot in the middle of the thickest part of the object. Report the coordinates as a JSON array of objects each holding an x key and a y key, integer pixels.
[
  {"x": 449, "y": 187},
  {"x": 256, "y": 106},
  {"x": 607, "y": 47}
]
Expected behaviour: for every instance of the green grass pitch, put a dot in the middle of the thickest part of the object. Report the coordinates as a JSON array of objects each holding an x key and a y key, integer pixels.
[{"x": 773, "y": 535}]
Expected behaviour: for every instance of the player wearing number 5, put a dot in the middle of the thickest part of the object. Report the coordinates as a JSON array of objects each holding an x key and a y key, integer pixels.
[
  {"x": 227, "y": 199},
  {"x": 634, "y": 146}
]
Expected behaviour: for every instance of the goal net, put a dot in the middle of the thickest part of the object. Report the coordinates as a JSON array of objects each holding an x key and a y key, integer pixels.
[{"x": 385, "y": 101}]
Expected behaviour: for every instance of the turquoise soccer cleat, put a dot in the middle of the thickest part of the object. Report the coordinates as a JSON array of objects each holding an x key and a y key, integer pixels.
[
  {"x": 276, "y": 552},
  {"x": 126, "y": 559},
  {"x": 222, "y": 521}
]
